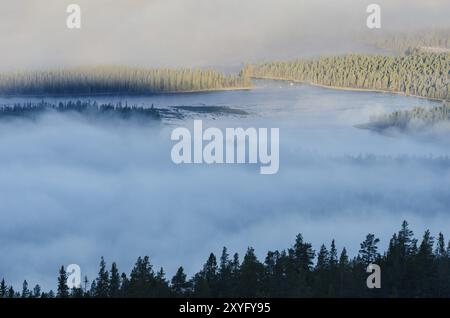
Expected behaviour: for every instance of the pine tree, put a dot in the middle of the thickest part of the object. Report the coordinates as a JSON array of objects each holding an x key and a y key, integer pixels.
[
  {"x": 124, "y": 285},
  {"x": 102, "y": 281},
  {"x": 3, "y": 289},
  {"x": 37, "y": 291},
  {"x": 440, "y": 248},
  {"x": 235, "y": 265},
  {"x": 442, "y": 287},
  {"x": 448, "y": 248},
  {"x": 405, "y": 236},
  {"x": 302, "y": 253},
  {"x": 425, "y": 263},
  {"x": 344, "y": 271},
  {"x": 323, "y": 260},
  {"x": 142, "y": 279},
  {"x": 93, "y": 289},
  {"x": 63, "y": 289},
  {"x": 272, "y": 280},
  {"x": 426, "y": 247},
  {"x": 224, "y": 261},
  {"x": 210, "y": 273},
  {"x": 180, "y": 286},
  {"x": 235, "y": 273},
  {"x": 333, "y": 255},
  {"x": 25, "y": 290},
  {"x": 114, "y": 282},
  {"x": 85, "y": 282},
  {"x": 11, "y": 292},
  {"x": 298, "y": 267},
  {"x": 225, "y": 275},
  {"x": 162, "y": 288},
  {"x": 251, "y": 275},
  {"x": 343, "y": 259},
  {"x": 368, "y": 252},
  {"x": 322, "y": 283}
]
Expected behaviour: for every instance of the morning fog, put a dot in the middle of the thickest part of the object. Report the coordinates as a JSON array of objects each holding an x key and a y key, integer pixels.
[{"x": 241, "y": 145}]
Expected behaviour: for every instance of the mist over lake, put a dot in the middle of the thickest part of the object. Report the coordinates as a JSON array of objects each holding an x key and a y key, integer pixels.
[{"x": 72, "y": 190}]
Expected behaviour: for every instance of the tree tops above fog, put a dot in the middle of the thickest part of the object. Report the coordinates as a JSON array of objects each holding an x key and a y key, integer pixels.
[
  {"x": 421, "y": 74},
  {"x": 90, "y": 109},
  {"x": 115, "y": 80},
  {"x": 413, "y": 119}
]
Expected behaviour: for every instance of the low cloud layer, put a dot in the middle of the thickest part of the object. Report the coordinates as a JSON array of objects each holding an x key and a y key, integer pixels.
[
  {"x": 173, "y": 33},
  {"x": 72, "y": 191}
]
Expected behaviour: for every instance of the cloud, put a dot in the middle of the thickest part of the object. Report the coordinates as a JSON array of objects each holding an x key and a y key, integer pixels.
[{"x": 73, "y": 190}]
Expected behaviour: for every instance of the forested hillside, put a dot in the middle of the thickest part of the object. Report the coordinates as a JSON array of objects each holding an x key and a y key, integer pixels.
[
  {"x": 422, "y": 74},
  {"x": 409, "y": 268},
  {"x": 116, "y": 80}
]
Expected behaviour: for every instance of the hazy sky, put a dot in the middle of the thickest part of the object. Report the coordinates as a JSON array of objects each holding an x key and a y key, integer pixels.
[{"x": 193, "y": 32}]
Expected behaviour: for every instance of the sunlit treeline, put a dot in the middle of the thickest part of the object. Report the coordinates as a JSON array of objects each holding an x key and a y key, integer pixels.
[
  {"x": 423, "y": 74},
  {"x": 116, "y": 80}
]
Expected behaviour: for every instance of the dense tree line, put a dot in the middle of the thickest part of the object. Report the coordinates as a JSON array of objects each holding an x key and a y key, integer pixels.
[
  {"x": 95, "y": 110},
  {"x": 84, "y": 107},
  {"x": 416, "y": 118},
  {"x": 116, "y": 80},
  {"x": 409, "y": 268},
  {"x": 421, "y": 74}
]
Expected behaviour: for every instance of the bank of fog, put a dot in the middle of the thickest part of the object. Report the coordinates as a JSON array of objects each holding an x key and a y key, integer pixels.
[{"x": 72, "y": 191}]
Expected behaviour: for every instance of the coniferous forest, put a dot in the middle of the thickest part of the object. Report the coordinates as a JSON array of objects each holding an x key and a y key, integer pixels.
[
  {"x": 90, "y": 109},
  {"x": 116, "y": 80},
  {"x": 420, "y": 74},
  {"x": 409, "y": 268},
  {"x": 417, "y": 73}
]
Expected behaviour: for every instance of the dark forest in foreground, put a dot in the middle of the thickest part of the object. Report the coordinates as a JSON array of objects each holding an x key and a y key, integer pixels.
[{"x": 409, "y": 268}]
